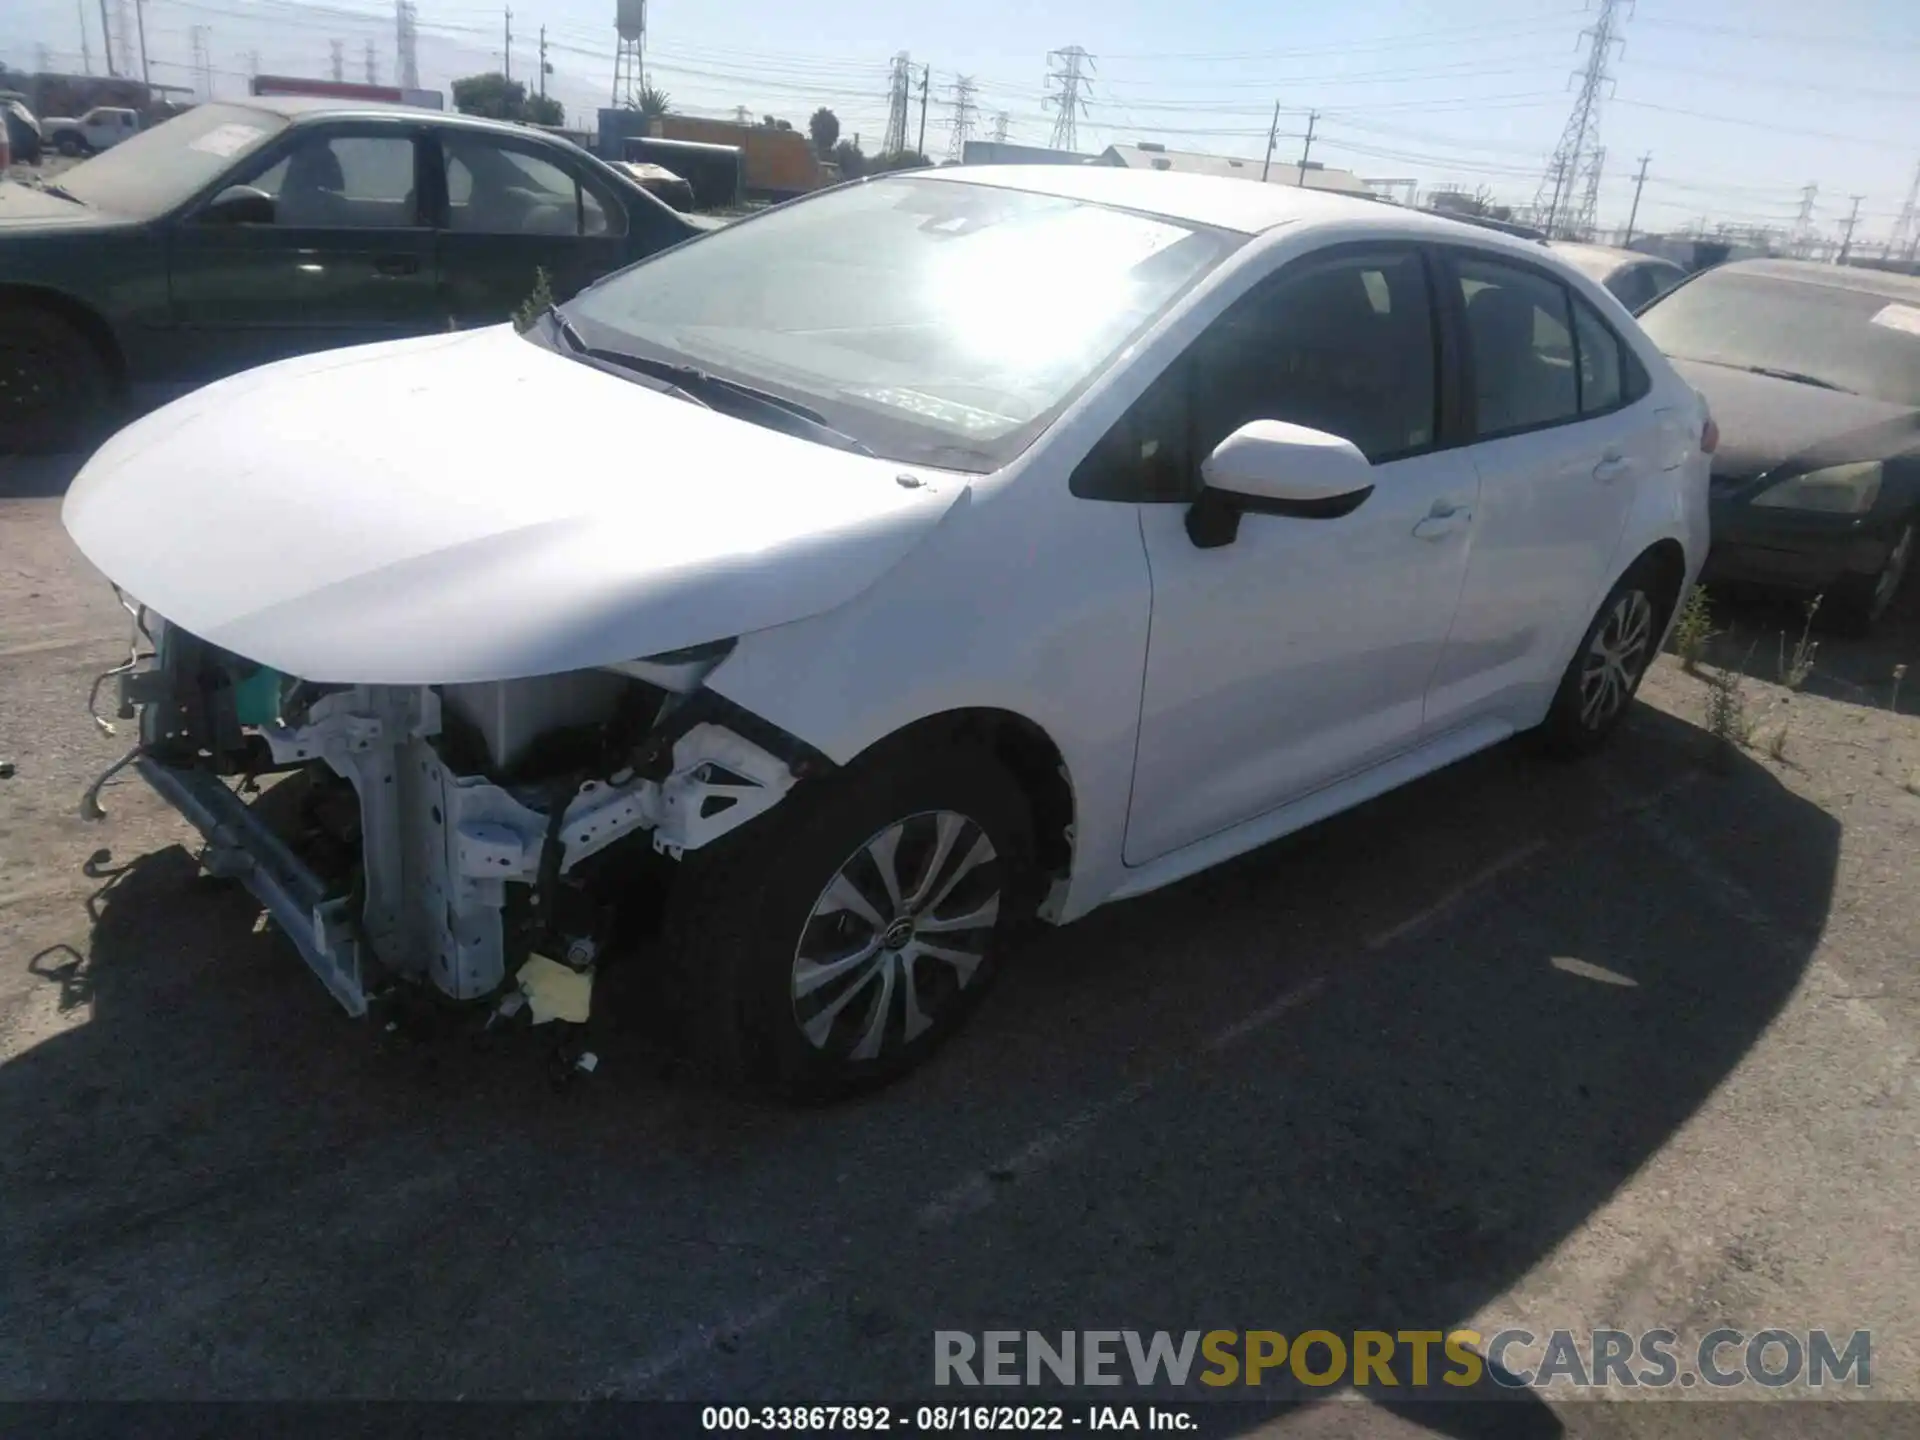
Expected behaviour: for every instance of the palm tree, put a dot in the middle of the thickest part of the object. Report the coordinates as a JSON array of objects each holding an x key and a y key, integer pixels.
[{"x": 654, "y": 102}]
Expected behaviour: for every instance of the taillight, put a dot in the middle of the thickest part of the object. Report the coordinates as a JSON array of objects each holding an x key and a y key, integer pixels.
[{"x": 1709, "y": 437}]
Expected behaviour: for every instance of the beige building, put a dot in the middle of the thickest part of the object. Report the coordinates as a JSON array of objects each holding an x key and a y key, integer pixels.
[{"x": 1147, "y": 155}]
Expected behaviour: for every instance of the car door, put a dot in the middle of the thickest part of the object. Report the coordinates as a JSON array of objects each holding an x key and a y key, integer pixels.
[
  {"x": 345, "y": 258},
  {"x": 1563, "y": 437},
  {"x": 514, "y": 208},
  {"x": 1300, "y": 651}
]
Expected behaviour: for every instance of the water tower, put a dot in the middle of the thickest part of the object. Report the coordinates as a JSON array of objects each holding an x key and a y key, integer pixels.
[{"x": 629, "y": 75}]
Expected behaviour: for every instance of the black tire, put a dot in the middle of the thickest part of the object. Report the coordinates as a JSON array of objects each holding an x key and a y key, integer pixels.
[
  {"x": 70, "y": 145},
  {"x": 55, "y": 388},
  {"x": 742, "y": 909},
  {"x": 1579, "y": 722},
  {"x": 1857, "y": 603}
]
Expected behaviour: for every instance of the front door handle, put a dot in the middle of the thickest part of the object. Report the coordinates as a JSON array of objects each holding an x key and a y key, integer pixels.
[
  {"x": 397, "y": 265},
  {"x": 1443, "y": 521},
  {"x": 1614, "y": 467}
]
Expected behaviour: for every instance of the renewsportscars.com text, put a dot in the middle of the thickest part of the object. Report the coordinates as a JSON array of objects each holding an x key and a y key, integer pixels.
[{"x": 1515, "y": 1358}]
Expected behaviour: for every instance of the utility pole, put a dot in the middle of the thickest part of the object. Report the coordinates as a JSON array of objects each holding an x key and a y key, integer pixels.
[
  {"x": 1846, "y": 241},
  {"x": 140, "y": 19},
  {"x": 1803, "y": 221},
  {"x": 506, "y": 55},
  {"x": 1273, "y": 139},
  {"x": 86, "y": 49},
  {"x": 339, "y": 59},
  {"x": 1313, "y": 117},
  {"x": 925, "y": 72},
  {"x": 106, "y": 40},
  {"x": 405, "y": 34},
  {"x": 1639, "y": 181},
  {"x": 372, "y": 64},
  {"x": 253, "y": 64},
  {"x": 544, "y": 67}
]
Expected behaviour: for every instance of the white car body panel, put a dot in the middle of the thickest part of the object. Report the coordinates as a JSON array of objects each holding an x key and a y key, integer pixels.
[
  {"x": 473, "y": 507},
  {"x": 476, "y": 508}
]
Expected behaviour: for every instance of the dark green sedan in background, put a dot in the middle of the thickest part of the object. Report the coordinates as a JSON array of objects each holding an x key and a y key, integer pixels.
[{"x": 239, "y": 233}]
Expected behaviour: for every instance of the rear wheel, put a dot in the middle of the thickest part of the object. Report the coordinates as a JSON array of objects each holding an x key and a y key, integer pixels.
[
  {"x": 70, "y": 145},
  {"x": 846, "y": 942},
  {"x": 55, "y": 387},
  {"x": 1600, "y": 681},
  {"x": 1860, "y": 601}
]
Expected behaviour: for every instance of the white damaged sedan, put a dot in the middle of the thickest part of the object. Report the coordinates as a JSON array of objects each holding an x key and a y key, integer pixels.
[{"x": 884, "y": 571}]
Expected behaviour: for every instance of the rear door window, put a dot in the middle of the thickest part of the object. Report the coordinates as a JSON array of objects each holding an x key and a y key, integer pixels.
[{"x": 1519, "y": 331}]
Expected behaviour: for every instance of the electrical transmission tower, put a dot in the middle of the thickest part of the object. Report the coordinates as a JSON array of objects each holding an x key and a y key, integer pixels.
[
  {"x": 1000, "y": 128},
  {"x": 1557, "y": 199},
  {"x": 406, "y": 35},
  {"x": 202, "y": 62},
  {"x": 123, "y": 36},
  {"x": 339, "y": 59},
  {"x": 373, "y": 64},
  {"x": 1069, "y": 74},
  {"x": 961, "y": 129},
  {"x": 1906, "y": 237},
  {"x": 899, "y": 98},
  {"x": 1803, "y": 221},
  {"x": 1584, "y": 218}
]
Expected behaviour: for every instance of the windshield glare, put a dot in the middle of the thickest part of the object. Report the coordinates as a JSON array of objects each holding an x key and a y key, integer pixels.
[
  {"x": 149, "y": 173},
  {"x": 934, "y": 320},
  {"x": 1858, "y": 341}
]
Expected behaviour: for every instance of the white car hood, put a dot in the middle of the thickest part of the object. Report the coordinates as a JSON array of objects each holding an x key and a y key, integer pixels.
[{"x": 475, "y": 507}]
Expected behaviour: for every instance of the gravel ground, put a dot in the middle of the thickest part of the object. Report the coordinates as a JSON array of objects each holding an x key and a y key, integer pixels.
[{"x": 1623, "y": 1044}]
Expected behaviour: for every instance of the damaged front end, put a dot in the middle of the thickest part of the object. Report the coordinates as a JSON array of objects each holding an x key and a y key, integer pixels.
[{"x": 446, "y": 834}]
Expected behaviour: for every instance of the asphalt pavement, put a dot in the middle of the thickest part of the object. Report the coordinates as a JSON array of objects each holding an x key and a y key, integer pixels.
[{"x": 1628, "y": 1043}]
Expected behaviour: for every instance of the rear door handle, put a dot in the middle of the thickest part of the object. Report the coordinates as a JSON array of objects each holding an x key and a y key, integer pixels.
[
  {"x": 1614, "y": 467},
  {"x": 1442, "y": 522},
  {"x": 397, "y": 265}
]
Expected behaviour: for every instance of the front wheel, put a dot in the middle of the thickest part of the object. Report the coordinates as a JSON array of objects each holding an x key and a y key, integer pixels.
[
  {"x": 55, "y": 389},
  {"x": 1605, "y": 672},
  {"x": 842, "y": 945},
  {"x": 71, "y": 146},
  {"x": 1860, "y": 601}
]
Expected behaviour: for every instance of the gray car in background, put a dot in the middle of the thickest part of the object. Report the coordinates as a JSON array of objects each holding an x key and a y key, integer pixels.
[{"x": 1635, "y": 279}]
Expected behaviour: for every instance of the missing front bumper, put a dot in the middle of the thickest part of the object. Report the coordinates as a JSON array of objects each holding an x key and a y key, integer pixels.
[
  {"x": 441, "y": 852},
  {"x": 241, "y": 847}
]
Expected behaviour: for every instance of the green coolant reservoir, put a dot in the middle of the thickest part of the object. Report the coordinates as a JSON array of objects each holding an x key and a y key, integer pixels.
[{"x": 256, "y": 697}]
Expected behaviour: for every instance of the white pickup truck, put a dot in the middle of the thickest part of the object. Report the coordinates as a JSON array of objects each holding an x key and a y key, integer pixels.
[{"x": 101, "y": 128}]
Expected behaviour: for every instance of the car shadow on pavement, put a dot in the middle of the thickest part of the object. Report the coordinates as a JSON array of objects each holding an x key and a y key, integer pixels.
[
  {"x": 1515, "y": 982},
  {"x": 37, "y": 477}
]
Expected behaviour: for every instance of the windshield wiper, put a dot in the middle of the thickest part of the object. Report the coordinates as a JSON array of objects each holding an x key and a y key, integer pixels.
[
  {"x": 693, "y": 383},
  {"x": 1795, "y": 375},
  {"x": 61, "y": 192},
  {"x": 609, "y": 361}
]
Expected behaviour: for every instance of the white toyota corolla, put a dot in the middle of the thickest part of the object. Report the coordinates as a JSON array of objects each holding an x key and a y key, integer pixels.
[{"x": 925, "y": 556}]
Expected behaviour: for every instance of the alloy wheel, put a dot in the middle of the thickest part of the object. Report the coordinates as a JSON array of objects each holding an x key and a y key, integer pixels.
[
  {"x": 1615, "y": 658},
  {"x": 896, "y": 936}
]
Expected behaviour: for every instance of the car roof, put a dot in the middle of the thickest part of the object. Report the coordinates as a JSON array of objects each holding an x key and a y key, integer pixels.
[
  {"x": 1220, "y": 201},
  {"x": 1887, "y": 283},
  {"x": 1600, "y": 261},
  {"x": 306, "y": 109}
]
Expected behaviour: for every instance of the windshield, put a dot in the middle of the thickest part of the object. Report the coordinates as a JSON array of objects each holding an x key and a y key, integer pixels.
[
  {"x": 150, "y": 173},
  {"x": 1846, "y": 338},
  {"x": 935, "y": 321}
]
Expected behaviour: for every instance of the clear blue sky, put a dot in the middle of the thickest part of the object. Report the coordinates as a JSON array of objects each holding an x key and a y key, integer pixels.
[{"x": 1740, "y": 102}]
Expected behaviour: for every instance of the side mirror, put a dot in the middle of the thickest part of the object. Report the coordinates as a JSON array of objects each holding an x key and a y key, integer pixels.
[
  {"x": 239, "y": 205},
  {"x": 1272, "y": 467}
]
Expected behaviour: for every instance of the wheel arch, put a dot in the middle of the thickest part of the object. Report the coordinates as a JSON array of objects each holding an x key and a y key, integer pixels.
[
  {"x": 1023, "y": 748},
  {"x": 77, "y": 313},
  {"x": 1666, "y": 558}
]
